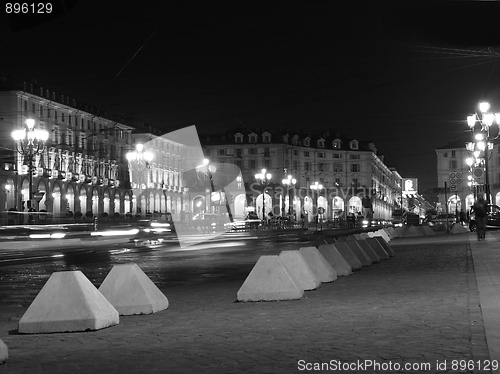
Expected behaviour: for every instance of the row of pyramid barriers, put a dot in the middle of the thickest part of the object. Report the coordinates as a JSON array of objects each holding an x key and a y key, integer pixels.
[
  {"x": 406, "y": 231},
  {"x": 69, "y": 302},
  {"x": 288, "y": 275}
]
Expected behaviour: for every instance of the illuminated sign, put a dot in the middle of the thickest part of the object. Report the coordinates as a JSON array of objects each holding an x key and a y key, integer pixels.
[{"x": 410, "y": 186}]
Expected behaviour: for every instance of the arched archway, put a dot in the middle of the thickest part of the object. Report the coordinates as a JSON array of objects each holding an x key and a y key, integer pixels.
[
  {"x": 95, "y": 201},
  {"x": 240, "y": 206},
  {"x": 469, "y": 202},
  {"x": 454, "y": 204},
  {"x": 267, "y": 205},
  {"x": 308, "y": 208},
  {"x": 355, "y": 205},
  {"x": 338, "y": 207},
  {"x": 70, "y": 198},
  {"x": 56, "y": 199}
]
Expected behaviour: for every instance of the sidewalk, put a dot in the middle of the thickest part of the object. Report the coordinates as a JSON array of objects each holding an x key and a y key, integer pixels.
[{"x": 421, "y": 306}]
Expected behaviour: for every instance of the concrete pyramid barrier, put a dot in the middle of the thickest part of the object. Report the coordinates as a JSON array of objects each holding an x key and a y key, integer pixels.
[
  {"x": 379, "y": 250},
  {"x": 457, "y": 228},
  {"x": 330, "y": 240},
  {"x": 357, "y": 237},
  {"x": 387, "y": 247},
  {"x": 341, "y": 239},
  {"x": 383, "y": 234},
  {"x": 392, "y": 232},
  {"x": 412, "y": 232},
  {"x": 4, "y": 352},
  {"x": 426, "y": 231},
  {"x": 270, "y": 280},
  {"x": 335, "y": 259},
  {"x": 400, "y": 232},
  {"x": 320, "y": 241},
  {"x": 131, "y": 291},
  {"x": 348, "y": 255},
  {"x": 351, "y": 237},
  {"x": 363, "y": 235},
  {"x": 68, "y": 302},
  {"x": 359, "y": 253},
  {"x": 441, "y": 227},
  {"x": 318, "y": 264},
  {"x": 370, "y": 252},
  {"x": 386, "y": 230},
  {"x": 300, "y": 269}
]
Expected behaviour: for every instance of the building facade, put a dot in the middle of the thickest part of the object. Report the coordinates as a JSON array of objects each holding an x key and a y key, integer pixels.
[
  {"x": 352, "y": 176},
  {"x": 453, "y": 170},
  {"x": 82, "y": 169}
]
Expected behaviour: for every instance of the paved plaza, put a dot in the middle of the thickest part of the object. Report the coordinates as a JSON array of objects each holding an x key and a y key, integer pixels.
[{"x": 435, "y": 303}]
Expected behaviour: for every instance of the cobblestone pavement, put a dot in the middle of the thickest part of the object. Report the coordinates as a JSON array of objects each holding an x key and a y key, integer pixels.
[{"x": 419, "y": 307}]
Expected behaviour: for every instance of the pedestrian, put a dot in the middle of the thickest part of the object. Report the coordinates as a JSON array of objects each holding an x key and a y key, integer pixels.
[
  {"x": 462, "y": 217},
  {"x": 481, "y": 212}
]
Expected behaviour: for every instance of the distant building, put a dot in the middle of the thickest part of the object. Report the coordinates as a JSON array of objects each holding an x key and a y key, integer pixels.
[{"x": 353, "y": 175}]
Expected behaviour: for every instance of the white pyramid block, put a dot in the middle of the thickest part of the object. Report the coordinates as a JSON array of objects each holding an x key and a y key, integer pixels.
[
  {"x": 359, "y": 253},
  {"x": 369, "y": 250},
  {"x": 400, "y": 232},
  {"x": 383, "y": 234},
  {"x": 392, "y": 232},
  {"x": 320, "y": 241},
  {"x": 325, "y": 272},
  {"x": 412, "y": 232},
  {"x": 350, "y": 257},
  {"x": 300, "y": 269},
  {"x": 457, "y": 228},
  {"x": 335, "y": 259},
  {"x": 370, "y": 234},
  {"x": 131, "y": 291},
  {"x": 357, "y": 236},
  {"x": 68, "y": 302},
  {"x": 341, "y": 239},
  {"x": 351, "y": 237},
  {"x": 270, "y": 280},
  {"x": 387, "y": 247},
  {"x": 426, "y": 231},
  {"x": 363, "y": 235},
  {"x": 379, "y": 250},
  {"x": 4, "y": 352}
]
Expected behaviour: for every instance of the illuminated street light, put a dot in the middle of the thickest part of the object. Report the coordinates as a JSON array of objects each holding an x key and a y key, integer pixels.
[
  {"x": 264, "y": 178},
  {"x": 139, "y": 161},
  {"x": 288, "y": 182},
  {"x": 30, "y": 142},
  {"x": 480, "y": 125}
]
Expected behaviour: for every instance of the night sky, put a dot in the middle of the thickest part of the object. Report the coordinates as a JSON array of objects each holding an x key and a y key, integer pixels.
[{"x": 401, "y": 74}]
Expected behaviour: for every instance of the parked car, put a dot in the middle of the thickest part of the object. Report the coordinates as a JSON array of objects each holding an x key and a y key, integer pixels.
[
  {"x": 493, "y": 219},
  {"x": 438, "y": 219}
]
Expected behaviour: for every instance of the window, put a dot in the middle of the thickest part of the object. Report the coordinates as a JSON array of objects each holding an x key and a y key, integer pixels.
[
  {"x": 25, "y": 106},
  {"x": 336, "y": 144},
  {"x": 207, "y": 152},
  {"x": 453, "y": 153},
  {"x": 321, "y": 154},
  {"x": 445, "y": 154},
  {"x": 322, "y": 180},
  {"x": 354, "y": 144},
  {"x": 41, "y": 111},
  {"x": 307, "y": 142},
  {"x": 295, "y": 152},
  {"x": 238, "y": 138},
  {"x": 321, "y": 167},
  {"x": 239, "y": 163},
  {"x": 238, "y": 152},
  {"x": 307, "y": 166},
  {"x": 337, "y": 182},
  {"x": 453, "y": 164},
  {"x": 355, "y": 156},
  {"x": 55, "y": 115},
  {"x": 337, "y": 168},
  {"x": 355, "y": 181},
  {"x": 337, "y": 155},
  {"x": 321, "y": 143},
  {"x": 222, "y": 152},
  {"x": 295, "y": 140},
  {"x": 33, "y": 109},
  {"x": 253, "y": 151},
  {"x": 306, "y": 153},
  {"x": 267, "y": 138},
  {"x": 355, "y": 168},
  {"x": 253, "y": 164},
  {"x": 266, "y": 152},
  {"x": 62, "y": 117},
  {"x": 295, "y": 165},
  {"x": 253, "y": 138},
  {"x": 267, "y": 164}
]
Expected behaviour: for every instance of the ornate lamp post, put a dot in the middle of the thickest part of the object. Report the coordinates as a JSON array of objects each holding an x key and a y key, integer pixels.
[
  {"x": 139, "y": 161},
  {"x": 207, "y": 175},
  {"x": 264, "y": 178},
  {"x": 288, "y": 182},
  {"x": 480, "y": 125},
  {"x": 317, "y": 187},
  {"x": 30, "y": 142}
]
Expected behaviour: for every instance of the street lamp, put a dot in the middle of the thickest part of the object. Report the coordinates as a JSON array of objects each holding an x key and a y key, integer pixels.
[
  {"x": 288, "y": 181},
  {"x": 317, "y": 187},
  {"x": 204, "y": 175},
  {"x": 30, "y": 142},
  {"x": 263, "y": 178},
  {"x": 139, "y": 161},
  {"x": 480, "y": 124}
]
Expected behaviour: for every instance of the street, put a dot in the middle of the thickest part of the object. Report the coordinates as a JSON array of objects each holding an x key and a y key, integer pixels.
[{"x": 418, "y": 307}]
